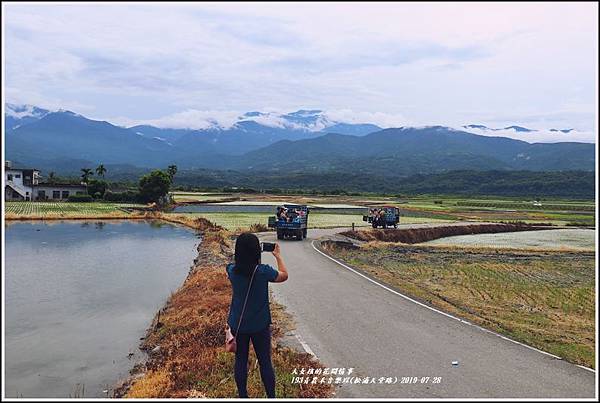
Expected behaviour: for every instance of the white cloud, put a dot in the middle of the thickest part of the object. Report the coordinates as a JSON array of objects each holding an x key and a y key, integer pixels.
[
  {"x": 538, "y": 136},
  {"x": 189, "y": 119},
  {"x": 394, "y": 63},
  {"x": 378, "y": 118}
]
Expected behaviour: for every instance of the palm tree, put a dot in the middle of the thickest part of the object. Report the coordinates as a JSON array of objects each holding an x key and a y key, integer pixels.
[
  {"x": 85, "y": 176},
  {"x": 100, "y": 170},
  {"x": 172, "y": 170}
]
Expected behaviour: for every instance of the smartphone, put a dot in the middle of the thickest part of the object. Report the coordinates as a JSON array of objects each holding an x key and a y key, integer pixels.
[{"x": 268, "y": 247}]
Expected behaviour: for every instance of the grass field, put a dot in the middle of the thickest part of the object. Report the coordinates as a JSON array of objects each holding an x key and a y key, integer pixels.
[
  {"x": 579, "y": 239},
  {"x": 64, "y": 209},
  {"x": 558, "y": 212},
  {"x": 234, "y": 221},
  {"x": 544, "y": 299}
]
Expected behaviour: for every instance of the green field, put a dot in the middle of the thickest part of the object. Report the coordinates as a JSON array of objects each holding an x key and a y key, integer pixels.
[
  {"x": 445, "y": 207},
  {"x": 41, "y": 209},
  {"x": 234, "y": 221},
  {"x": 558, "y": 212}
]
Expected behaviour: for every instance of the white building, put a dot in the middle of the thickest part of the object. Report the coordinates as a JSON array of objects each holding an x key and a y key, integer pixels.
[
  {"x": 19, "y": 183},
  {"x": 24, "y": 185}
]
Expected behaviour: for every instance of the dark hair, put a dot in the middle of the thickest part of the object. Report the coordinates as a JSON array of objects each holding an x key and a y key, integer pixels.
[{"x": 247, "y": 253}]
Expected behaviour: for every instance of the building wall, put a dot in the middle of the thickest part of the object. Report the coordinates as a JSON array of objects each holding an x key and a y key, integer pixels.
[
  {"x": 16, "y": 178},
  {"x": 11, "y": 195},
  {"x": 31, "y": 177},
  {"x": 48, "y": 192},
  {"x": 25, "y": 183},
  {"x": 14, "y": 175}
]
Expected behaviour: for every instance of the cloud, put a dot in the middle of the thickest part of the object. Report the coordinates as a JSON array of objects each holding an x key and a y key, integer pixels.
[
  {"x": 189, "y": 119},
  {"x": 409, "y": 63},
  {"x": 538, "y": 136},
  {"x": 377, "y": 118}
]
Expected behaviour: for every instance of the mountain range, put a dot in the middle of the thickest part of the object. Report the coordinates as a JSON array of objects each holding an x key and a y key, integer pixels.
[{"x": 302, "y": 141}]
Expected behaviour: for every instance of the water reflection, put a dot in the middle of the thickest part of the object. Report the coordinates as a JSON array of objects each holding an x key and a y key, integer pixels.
[{"x": 79, "y": 295}]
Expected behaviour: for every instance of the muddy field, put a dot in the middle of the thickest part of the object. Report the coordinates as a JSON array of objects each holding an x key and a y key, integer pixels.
[{"x": 581, "y": 239}]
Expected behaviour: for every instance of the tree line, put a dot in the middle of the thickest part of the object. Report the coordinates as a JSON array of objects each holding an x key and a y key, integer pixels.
[{"x": 153, "y": 187}]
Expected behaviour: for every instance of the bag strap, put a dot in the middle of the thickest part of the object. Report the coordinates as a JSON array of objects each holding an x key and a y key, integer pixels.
[{"x": 246, "y": 300}]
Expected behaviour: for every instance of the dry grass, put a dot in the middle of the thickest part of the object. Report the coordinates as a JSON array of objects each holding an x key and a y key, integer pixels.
[
  {"x": 544, "y": 299},
  {"x": 186, "y": 339},
  {"x": 258, "y": 228}
]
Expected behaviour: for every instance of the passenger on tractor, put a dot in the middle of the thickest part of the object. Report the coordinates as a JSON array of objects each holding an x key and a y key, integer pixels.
[{"x": 281, "y": 213}]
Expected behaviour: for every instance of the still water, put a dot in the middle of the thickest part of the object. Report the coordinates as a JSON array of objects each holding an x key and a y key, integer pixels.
[{"x": 80, "y": 295}]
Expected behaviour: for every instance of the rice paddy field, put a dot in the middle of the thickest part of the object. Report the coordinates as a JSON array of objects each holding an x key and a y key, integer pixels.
[
  {"x": 232, "y": 221},
  {"x": 544, "y": 299},
  {"x": 576, "y": 239},
  {"x": 557, "y": 212},
  {"x": 64, "y": 209}
]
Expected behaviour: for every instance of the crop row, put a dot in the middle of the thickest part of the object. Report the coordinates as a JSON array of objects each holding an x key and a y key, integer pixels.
[{"x": 61, "y": 208}]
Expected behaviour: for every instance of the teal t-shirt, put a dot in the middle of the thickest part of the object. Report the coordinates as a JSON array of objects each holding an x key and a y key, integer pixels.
[{"x": 257, "y": 315}]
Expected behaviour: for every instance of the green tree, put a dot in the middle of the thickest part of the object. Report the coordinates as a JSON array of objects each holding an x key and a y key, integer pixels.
[
  {"x": 51, "y": 177},
  {"x": 97, "y": 186},
  {"x": 85, "y": 176},
  {"x": 172, "y": 170},
  {"x": 154, "y": 185},
  {"x": 101, "y": 170}
]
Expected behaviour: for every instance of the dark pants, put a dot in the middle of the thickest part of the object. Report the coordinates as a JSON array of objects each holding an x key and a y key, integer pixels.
[{"x": 262, "y": 347}]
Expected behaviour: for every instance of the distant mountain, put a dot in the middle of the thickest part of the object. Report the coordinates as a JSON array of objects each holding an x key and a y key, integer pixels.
[
  {"x": 301, "y": 141},
  {"x": 562, "y": 130},
  {"x": 520, "y": 129},
  {"x": 18, "y": 115},
  {"x": 40, "y": 135},
  {"x": 66, "y": 135},
  {"x": 407, "y": 151},
  {"x": 481, "y": 127},
  {"x": 359, "y": 129}
]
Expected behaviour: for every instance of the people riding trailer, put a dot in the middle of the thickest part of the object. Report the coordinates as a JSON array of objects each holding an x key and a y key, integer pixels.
[
  {"x": 383, "y": 217},
  {"x": 286, "y": 215}
]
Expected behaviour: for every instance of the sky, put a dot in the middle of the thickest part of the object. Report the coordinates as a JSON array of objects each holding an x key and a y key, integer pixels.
[{"x": 392, "y": 64}]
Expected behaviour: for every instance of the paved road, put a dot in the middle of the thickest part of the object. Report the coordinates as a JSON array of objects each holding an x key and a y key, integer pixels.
[{"x": 348, "y": 321}]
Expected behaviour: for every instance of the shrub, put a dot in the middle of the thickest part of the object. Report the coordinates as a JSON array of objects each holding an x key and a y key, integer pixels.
[
  {"x": 128, "y": 196},
  {"x": 80, "y": 198},
  {"x": 96, "y": 186}
]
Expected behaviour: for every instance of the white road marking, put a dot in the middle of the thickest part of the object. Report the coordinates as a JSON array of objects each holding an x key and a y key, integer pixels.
[
  {"x": 305, "y": 346},
  {"x": 586, "y": 368},
  {"x": 437, "y": 310}
]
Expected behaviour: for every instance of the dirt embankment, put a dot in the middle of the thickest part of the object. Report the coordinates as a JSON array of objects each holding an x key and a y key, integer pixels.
[
  {"x": 185, "y": 342},
  {"x": 418, "y": 235}
]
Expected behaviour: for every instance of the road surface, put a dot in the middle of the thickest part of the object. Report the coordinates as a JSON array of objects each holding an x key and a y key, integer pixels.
[{"x": 351, "y": 322}]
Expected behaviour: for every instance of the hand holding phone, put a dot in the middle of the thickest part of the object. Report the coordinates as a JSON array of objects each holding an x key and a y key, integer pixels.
[
  {"x": 276, "y": 252},
  {"x": 268, "y": 247}
]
